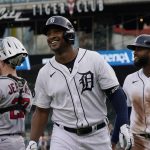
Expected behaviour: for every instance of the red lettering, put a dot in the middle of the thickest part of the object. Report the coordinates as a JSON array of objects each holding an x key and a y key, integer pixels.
[
  {"x": 13, "y": 88},
  {"x": 15, "y": 114}
]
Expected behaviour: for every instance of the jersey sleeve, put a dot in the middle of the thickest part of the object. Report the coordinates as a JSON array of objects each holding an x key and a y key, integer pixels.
[
  {"x": 27, "y": 98},
  {"x": 41, "y": 98},
  {"x": 125, "y": 88},
  {"x": 106, "y": 75}
]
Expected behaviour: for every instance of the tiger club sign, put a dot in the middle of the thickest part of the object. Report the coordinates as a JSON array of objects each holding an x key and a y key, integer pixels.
[
  {"x": 71, "y": 6},
  {"x": 50, "y": 7}
]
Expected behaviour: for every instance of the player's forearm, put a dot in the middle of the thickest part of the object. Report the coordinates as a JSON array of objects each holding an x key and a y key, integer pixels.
[
  {"x": 113, "y": 146},
  {"x": 38, "y": 123}
]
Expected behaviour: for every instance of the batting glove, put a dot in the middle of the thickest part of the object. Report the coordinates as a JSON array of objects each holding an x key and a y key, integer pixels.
[
  {"x": 126, "y": 137},
  {"x": 32, "y": 146}
]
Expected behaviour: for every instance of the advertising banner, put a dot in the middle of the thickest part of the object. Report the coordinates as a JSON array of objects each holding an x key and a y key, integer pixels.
[{"x": 117, "y": 57}]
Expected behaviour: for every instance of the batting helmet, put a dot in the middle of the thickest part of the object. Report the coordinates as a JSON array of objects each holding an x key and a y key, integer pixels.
[
  {"x": 63, "y": 22},
  {"x": 12, "y": 51},
  {"x": 141, "y": 41}
]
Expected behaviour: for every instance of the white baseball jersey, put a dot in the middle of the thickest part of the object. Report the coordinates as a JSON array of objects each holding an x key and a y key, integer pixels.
[
  {"x": 12, "y": 121},
  {"x": 137, "y": 89},
  {"x": 77, "y": 98}
]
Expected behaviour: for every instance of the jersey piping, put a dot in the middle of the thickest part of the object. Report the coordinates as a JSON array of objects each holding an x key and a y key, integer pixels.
[
  {"x": 143, "y": 97},
  {"x": 77, "y": 92},
  {"x": 80, "y": 101},
  {"x": 69, "y": 91},
  {"x": 82, "y": 56}
]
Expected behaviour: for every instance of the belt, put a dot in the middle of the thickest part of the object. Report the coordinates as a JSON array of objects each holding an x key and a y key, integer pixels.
[
  {"x": 83, "y": 131},
  {"x": 146, "y": 135},
  {"x": 11, "y": 134}
]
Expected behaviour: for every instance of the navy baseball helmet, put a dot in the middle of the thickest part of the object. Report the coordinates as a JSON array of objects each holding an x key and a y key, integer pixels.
[
  {"x": 69, "y": 32},
  {"x": 142, "y": 40}
]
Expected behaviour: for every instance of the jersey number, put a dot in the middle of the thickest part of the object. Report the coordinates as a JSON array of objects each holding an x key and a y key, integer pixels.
[{"x": 15, "y": 114}]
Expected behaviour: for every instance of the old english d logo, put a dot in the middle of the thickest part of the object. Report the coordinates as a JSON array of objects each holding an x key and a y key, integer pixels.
[{"x": 86, "y": 81}]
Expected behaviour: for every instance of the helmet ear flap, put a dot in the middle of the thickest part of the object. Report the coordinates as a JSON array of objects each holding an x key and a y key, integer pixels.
[
  {"x": 69, "y": 35},
  {"x": 16, "y": 61}
]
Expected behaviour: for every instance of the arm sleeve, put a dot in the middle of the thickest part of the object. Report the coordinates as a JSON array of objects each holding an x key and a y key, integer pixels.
[
  {"x": 118, "y": 100},
  {"x": 129, "y": 113}
]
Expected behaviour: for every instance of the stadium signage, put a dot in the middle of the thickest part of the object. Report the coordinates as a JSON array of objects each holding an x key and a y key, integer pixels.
[
  {"x": 7, "y": 14},
  {"x": 72, "y": 5},
  {"x": 51, "y": 7},
  {"x": 113, "y": 57},
  {"x": 117, "y": 57}
]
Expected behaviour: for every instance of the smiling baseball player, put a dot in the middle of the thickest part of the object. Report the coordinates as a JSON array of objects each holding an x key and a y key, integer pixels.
[
  {"x": 75, "y": 83},
  {"x": 15, "y": 96}
]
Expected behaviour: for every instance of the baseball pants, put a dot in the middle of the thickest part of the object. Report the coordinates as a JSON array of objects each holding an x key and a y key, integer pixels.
[
  {"x": 64, "y": 140},
  {"x": 12, "y": 142},
  {"x": 141, "y": 143}
]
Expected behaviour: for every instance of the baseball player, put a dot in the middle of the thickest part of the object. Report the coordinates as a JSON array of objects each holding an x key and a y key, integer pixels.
[
  {"x": 137, "y": 89},
  {"x": 15, "y": 95},
  {"x": 75, "y": 83}
]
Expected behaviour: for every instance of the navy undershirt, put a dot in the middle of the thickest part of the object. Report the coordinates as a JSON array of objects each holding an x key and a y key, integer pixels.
[{"x": 70, "y": 64}]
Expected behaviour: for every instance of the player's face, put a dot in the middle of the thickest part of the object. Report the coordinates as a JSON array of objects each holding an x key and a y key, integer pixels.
[
  {"x": 55, "y": 39},
  {"x": 141, "y": 57}
]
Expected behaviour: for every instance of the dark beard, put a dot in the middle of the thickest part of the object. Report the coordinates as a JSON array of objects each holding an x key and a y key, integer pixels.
[{"x": 142, "y": 62}]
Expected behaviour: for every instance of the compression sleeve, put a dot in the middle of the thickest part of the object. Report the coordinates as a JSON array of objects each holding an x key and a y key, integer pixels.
[
  {"x": 129, "y": 113},
  {"x": 118, "y": 100}
]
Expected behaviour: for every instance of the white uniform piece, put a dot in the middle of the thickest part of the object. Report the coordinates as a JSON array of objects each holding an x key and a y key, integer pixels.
[
  {"x": 12, "y": 122},
  {"x": 137, "y": 89},
  {"x": 77, "y": 98}
]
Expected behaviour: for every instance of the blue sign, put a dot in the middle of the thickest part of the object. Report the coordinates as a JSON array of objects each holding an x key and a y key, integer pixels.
[
  {"x": 117, "y": 57},
  {"x": 25, "y": 65}
]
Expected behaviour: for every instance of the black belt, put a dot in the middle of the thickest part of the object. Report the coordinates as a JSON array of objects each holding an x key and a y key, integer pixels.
[
  {"x": 83, "y": 131},
  {"x": 11, "y": 134},
  {"x": 146, "y": 135}
]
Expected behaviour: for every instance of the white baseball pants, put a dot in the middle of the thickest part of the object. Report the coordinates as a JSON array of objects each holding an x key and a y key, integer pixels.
[
  {"x": 13, "y": 142},
  {"x": 64, "y": 140}
]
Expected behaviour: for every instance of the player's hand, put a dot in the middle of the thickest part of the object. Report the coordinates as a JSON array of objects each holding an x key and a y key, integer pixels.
[
  {"x": 113, "y": 146},
  {"x": 126, "y": 137},
  {"x": 32, "y": 146}
]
